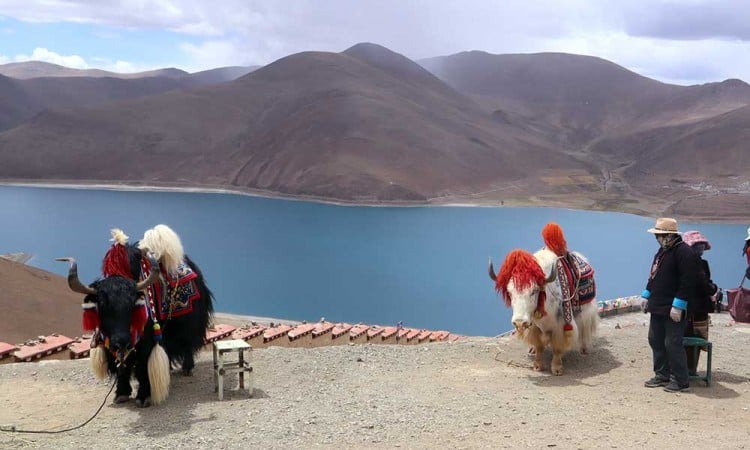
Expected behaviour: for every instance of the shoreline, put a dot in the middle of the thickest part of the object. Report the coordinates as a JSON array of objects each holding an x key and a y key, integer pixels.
[{"x": 258, "y": 193}]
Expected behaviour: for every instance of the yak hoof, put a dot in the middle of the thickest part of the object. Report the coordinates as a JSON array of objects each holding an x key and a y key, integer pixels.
[
  {"x": 145, "y": 403},
  {"x": 557, "y": 371},
  {"x": 538, "y": 367},
  {"x": 122, "y": 398},
  {"x": 584, "y": 351},
  {"x": 187, "y": 372}
]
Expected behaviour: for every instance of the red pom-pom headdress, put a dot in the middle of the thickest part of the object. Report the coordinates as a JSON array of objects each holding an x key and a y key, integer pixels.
[
  {"x": 553, "y": 237},
  {"x": 521, "y": 267},
  {"x": 116, "y": 262}
]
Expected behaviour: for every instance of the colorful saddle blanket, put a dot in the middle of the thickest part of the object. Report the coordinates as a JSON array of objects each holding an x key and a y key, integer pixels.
[
  {"x": 173, "y": 294},
  {"x": 576, "y": 278}
]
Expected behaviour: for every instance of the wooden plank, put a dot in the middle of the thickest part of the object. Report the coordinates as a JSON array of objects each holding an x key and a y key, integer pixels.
[
  {"x": 322, "y": 328},
  {"x": 389, "y": 331},
  {"x": 439, "y": 335},
  {"x": 6, "y": 349},
  {"x": 80, "y": 349},
  {"x": 340, "y": 329},
  {"x": 357, "y": 331},
  {"x": 276, "y": 332},
  {"x": 403, "y": 332},
  {"x": 300, "y": 330},
  {"x": 249, "y": 333},
  {"x": 47, "y": 345},
  {"x": 424, "y": 334},
  {"x": 374, "y": 331},
  {"x": 219, "y": 331},
  {"x": 412, "y": 334}
]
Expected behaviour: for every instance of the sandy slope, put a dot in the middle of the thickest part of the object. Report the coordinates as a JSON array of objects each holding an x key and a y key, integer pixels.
[{"x": 477, "y": 393}]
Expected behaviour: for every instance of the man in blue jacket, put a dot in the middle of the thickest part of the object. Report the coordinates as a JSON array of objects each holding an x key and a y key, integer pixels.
[{"x": 671, "y": 287}]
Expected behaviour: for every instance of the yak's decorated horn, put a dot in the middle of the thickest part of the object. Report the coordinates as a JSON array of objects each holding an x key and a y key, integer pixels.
[
  {"x": 492, "y": 271},
  {"x": 152, "y": 277},
  {"x": 552, "y": 276},
  {"x": 73, "y": 281}
]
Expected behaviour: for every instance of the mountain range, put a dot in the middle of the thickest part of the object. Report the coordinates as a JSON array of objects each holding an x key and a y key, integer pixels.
[{"x": 368, "y": 125}]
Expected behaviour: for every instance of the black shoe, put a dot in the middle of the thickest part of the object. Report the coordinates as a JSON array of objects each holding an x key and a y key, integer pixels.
[
  {"x": 674, "y": 387},
  {"x": 656, "y": 382}
]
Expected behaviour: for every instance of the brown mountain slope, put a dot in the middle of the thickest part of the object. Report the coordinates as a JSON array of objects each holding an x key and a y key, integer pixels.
[
  {"x": 581, "y": 98},
  {"x": 694, "y": 151},
  {"x": 700, "y": 169},
  {"x": 22, "y": 99},
  {"x": 363, "y": 125},
  {"x": 219, "y": 75},
  {"x": 24, "y": 289}
]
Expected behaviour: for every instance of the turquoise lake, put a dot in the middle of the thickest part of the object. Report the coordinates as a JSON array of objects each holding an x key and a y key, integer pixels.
[{"x": 424, "y": 266}]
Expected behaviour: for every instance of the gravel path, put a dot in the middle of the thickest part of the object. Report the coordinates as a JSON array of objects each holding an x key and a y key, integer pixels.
[{"x": 476, "y": 393}]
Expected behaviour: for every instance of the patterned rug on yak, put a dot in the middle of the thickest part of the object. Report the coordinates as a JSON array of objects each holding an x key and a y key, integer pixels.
[{"x": 180, "y": 290}]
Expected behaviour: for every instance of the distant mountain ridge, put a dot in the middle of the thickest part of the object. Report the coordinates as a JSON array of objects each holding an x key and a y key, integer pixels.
[
  {"x": 22, "y": 98},
  {"x": 39, "y": 69},
  {"x": 369, "y": 125}
]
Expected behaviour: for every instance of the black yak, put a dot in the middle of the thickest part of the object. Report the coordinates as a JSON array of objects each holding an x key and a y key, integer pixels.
[{"x": 148, "y": 313}]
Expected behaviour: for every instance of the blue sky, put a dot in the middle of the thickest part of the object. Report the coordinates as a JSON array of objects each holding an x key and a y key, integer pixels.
[{"x": 679, "y": 41}]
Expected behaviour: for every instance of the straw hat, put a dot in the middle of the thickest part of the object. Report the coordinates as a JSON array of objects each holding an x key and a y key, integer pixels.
[
  {"x": 664, "y": 225},
  {"x": 694, "y": 237}
]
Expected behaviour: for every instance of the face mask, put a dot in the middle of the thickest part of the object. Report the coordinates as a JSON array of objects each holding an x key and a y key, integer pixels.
[{"x": 664, "y": 240}]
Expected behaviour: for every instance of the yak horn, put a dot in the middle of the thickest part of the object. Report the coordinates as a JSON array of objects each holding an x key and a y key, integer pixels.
[
  {"x": 73, "y": 281},
  {"x": 152, "y": 277},
  {"x": 492, "y": 271},
  {"x": 552, "y": 276}
]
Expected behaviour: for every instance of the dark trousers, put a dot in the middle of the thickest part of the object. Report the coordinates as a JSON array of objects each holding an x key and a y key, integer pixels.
[{"x": 665, "y": 339}]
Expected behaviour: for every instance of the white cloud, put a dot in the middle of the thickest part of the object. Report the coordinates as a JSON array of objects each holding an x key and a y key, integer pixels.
[
  {"x": 42, "y": 54},
  {"x": 678, "y": 62},
  {"x": 664, "y": 42},
  {"x": 119, "y": 66},
  {"x": 212, "y": 54}
]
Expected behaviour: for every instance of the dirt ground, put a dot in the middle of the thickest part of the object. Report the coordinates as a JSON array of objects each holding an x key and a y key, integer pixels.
[{"x": 475, "y": 393}]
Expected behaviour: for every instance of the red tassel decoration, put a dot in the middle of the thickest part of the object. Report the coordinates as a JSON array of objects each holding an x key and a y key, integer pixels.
[
  {"x": 116, "y": 262},
  {"x": 140, "y": 316},
  {"x": 553, "y": 237},
  {"x": 90, "y": 317}
]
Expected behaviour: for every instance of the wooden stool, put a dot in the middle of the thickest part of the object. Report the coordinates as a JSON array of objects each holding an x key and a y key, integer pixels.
[
  {"x": 240, "y": 366},
  {"x": 700, "y": 342}
]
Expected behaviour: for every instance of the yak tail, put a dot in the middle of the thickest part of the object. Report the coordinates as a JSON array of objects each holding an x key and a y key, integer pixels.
[
  {"x": 158, "y": 374},
  {"x": 98, "y": 359}
]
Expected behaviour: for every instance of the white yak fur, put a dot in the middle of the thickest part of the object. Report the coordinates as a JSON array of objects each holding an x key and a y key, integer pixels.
[
  {"x": 158, "y": 374},
  {"x": 548, "y": 330},
  {"x": 98, "y": 360},
  {"x": 166, "y": 246}
]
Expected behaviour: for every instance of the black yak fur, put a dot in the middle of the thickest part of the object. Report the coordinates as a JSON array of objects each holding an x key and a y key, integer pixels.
[
  {"x": 115, "y": 299},
  {"x": 183, "y": 336}
]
